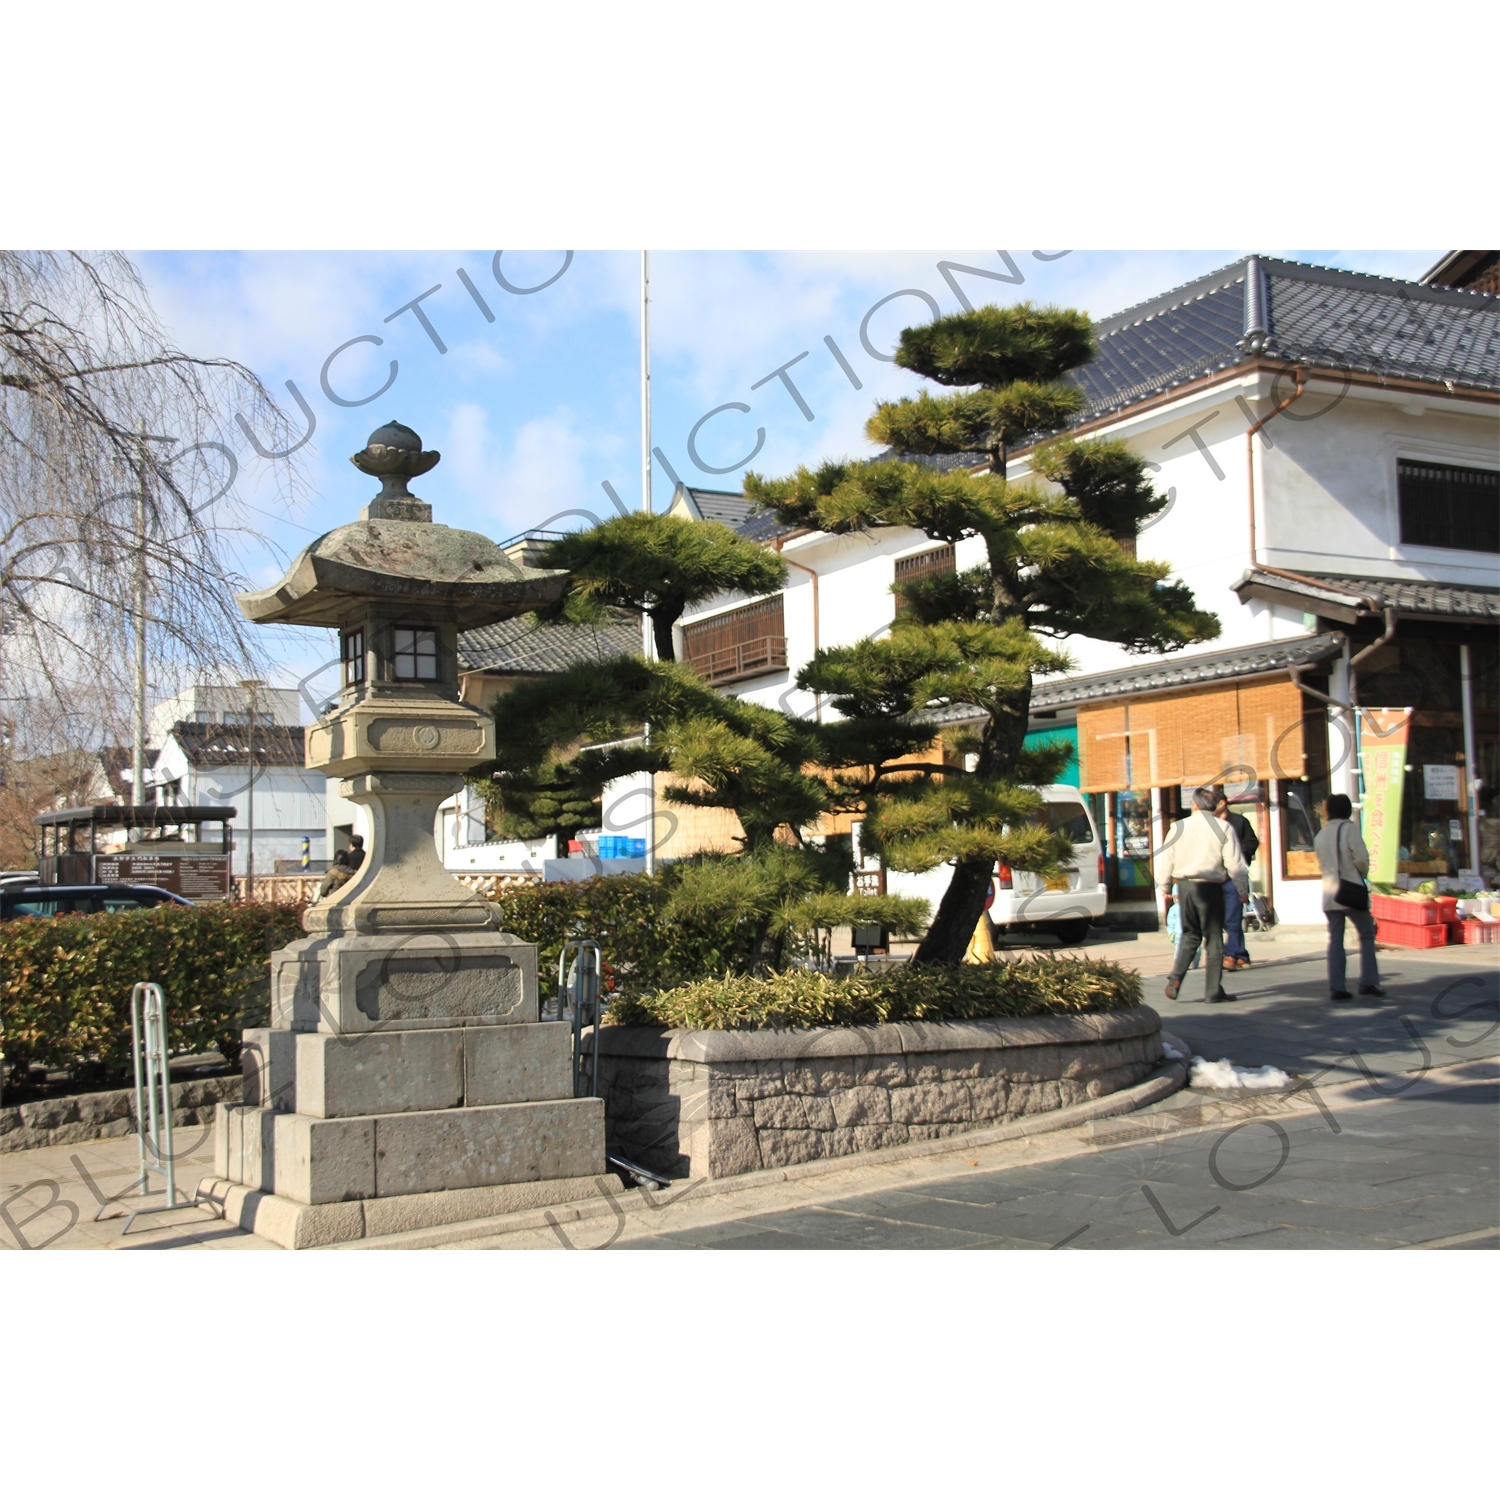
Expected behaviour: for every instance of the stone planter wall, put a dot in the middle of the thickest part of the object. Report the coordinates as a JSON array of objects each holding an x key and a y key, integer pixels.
[
  {"x": 97, "y": 1117},
  {"x": 720, "y": 1103}
]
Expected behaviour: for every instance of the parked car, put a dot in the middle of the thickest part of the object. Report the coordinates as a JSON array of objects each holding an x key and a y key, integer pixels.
[
  {"x": 58, "y": 900},
  {"x": 1064, "y": 905}
]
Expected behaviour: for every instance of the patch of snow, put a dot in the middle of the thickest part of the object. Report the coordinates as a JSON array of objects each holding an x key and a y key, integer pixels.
[
  {"x": 1224, "y": 1075},
  {"x": 1171, "y": 1054}
]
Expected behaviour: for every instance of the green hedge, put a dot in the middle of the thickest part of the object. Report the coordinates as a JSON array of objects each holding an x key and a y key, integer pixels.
[
  {"x": 627, "y": 915},
  {"x": 797, "y": 998},
  {"x": 65, "y": 982}
]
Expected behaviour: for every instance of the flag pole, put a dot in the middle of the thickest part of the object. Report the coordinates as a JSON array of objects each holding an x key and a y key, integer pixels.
[{"x": 647, "y": 641}]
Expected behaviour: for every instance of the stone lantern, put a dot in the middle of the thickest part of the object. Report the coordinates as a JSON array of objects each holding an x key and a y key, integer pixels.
[{"x": 405, "y": 1079}]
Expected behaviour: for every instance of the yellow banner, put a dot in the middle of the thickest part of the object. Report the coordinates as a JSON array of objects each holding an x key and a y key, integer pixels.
[{"x": 1383, "y": 755}]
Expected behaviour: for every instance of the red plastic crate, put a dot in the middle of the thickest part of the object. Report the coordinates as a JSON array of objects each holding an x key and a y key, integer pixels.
[
  {"x": 1449, "y": 906},
  {"x": 1411, "y": 913},
  {"x": 1472, "y": 930},
  {"x": 1412, "y": 934}
]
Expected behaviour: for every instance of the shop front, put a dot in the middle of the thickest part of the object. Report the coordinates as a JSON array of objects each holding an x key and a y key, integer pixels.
[
  {"x": 1258, "y": 741},
  {"x": 1430, "y": 757}
]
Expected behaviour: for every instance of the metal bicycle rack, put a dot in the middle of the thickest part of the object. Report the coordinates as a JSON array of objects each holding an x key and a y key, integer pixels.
[
  {"x": 584, "y": 995},
  {"x": 153, "y": 1103}
]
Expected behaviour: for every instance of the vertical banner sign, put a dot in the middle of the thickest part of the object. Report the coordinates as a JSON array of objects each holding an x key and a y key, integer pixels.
[{"x": 1383, "y": 757}]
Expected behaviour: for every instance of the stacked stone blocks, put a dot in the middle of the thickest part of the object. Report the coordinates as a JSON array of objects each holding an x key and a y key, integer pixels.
[{"x": 701, "y": 1103}]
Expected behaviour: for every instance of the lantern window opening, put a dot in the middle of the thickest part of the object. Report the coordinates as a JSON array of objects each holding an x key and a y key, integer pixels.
[
  {"x": 354, "y": 657},
  {"x": 415, "y": 657}
]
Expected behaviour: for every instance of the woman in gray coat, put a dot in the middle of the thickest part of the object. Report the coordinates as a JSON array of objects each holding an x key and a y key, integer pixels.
[{"x": 1342, "y": 856}]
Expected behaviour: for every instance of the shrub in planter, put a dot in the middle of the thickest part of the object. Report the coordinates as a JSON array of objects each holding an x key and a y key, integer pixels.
[
  {"x": 65, "y": 982},
  {"x": 928, "y": 992},
  {"x": 712, "y": 915},
  {"x": 627, "y": 915}
]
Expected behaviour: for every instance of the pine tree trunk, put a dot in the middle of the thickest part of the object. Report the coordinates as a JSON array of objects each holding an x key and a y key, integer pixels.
[
  {"x": 661, "y": 632},
  {"x": 765, "y": 952},
  {"x": 958, "y": 914}
]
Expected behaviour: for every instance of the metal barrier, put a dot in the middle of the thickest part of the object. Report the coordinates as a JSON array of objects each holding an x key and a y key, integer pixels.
[
  {"x": 153, "y": 1102},
  {"x": 587, "y": 1005},
  {"x": 587, "y": 970}
]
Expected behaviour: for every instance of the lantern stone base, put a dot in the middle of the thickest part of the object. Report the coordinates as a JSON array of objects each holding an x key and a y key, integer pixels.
[
  {"x": 300, "y": 1180},
  {"x": 406, "y": 1083},
  {"x": 309, "y": 1226},
  {"x": 383, "y": 982}
]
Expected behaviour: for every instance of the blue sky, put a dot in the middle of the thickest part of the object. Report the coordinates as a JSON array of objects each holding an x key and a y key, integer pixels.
[{"x": 534, "y": 410}]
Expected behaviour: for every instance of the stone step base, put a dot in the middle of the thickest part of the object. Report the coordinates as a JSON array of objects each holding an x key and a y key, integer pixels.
[
  {"x": 335, "y": 1162},
  {"x": 306, "y": 1226}
]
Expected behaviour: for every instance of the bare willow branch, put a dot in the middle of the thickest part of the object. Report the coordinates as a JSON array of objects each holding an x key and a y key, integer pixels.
[{"x": 117, "y": 456}]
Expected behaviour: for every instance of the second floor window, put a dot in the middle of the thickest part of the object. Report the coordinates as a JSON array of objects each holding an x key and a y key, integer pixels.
[
  {"x": 923, "y": 565},
  {"x": 354, "y": 658},
  {"x": 415, "y": 655},
  {"x": 1443, "y": 505}
]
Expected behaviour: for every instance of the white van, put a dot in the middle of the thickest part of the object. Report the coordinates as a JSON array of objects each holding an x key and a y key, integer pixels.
[{"x": 1063, "y": 904}]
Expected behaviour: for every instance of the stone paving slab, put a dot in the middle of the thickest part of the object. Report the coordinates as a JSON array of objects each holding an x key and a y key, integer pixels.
[{"x": 48, "y": 1199}]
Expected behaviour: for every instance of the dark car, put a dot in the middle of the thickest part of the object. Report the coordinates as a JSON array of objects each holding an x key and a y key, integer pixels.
[{"x": 59, "y": 900}]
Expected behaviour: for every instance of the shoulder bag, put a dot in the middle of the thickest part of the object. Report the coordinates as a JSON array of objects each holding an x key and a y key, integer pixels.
[{"x": 1353, "y": 894}]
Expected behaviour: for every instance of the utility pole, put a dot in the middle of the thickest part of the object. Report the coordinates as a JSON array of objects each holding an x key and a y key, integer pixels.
[
  {"x": 648, "y": 640},
  {"x": 138, "y": 740},
  {"x": 250, "y": 685},
  {"x": 646, "y": 386}
]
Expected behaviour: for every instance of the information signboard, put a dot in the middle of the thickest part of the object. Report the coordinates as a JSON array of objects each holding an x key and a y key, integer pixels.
[{"x": 199, "y": 877}]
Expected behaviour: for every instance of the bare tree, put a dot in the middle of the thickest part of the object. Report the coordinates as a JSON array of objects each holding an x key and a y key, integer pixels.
[{"x": 118, "y": 519}]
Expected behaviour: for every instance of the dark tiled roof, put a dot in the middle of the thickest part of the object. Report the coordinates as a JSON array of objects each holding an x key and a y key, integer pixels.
[
  {"x": 941, "y": 462},
  {"x": 231, "y": 744},
  {"x": 1341, "y": 320},
  {"x": 731, "y": 509},
  {"x": 116, "y": 760},
  {"x": 1407, "y": 596},
  {"x": 523, "y": 645},
  {"x": 1161, "y": 674}
]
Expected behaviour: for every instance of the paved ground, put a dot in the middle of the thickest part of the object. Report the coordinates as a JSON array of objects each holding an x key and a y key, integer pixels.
[
  {"x": 48, "y": 1199},
  {"x": 1396, "y": 1144},
  {"x": 1406, "y": 1172}
]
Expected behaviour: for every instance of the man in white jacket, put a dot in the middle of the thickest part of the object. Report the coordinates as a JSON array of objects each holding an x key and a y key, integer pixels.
[
  {"x": 1200, "y": 855},
  {"x": 1342, "y": 856}
]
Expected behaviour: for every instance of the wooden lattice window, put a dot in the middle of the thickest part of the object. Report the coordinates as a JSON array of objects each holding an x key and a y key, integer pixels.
[
  {"x": 742, "y": 643},
  {"x": 923, "y": 565}
]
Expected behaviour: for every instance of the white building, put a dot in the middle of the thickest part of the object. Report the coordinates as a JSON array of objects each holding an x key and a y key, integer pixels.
[
  {"x": 1366, "y": 499},
  {"x": 208, "y": 755}
]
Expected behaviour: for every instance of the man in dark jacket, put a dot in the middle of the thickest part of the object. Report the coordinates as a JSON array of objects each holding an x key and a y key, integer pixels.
[{"x": 1236, "y": 955}]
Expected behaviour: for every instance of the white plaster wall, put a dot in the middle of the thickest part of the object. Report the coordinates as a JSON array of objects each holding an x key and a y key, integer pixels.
[
  {"x": 288, "y": 805},
  {"x": 342, "y": 813},
  {"x": 855, "y": 574},
  {"x": 1330, "y": 488},
  {"x": 281, "y": 705}
]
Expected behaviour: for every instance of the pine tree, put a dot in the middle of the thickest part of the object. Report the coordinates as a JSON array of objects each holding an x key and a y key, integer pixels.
[
  {"x": 1059, "y": 562},
  {"x": 657, "y": 565},
  {"x": 724, "y": 752}
]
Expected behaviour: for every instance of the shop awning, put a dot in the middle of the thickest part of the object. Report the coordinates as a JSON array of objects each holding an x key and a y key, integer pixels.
[{"x": 1352, "y": 599}]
